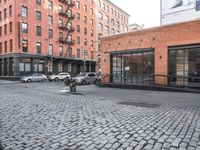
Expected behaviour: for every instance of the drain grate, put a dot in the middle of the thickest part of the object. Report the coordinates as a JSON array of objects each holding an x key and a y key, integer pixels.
[{"x": 139, "y": 104}]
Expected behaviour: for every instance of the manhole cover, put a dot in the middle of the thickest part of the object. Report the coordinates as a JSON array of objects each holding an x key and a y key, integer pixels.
[{"x": 138, "y": 104}]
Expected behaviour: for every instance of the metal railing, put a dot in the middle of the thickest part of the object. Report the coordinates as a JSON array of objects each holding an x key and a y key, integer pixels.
[{"x": 151, "y": 79}]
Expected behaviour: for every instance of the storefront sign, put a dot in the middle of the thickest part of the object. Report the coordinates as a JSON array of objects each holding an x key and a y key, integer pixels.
[{"x": 25, "y": 60}]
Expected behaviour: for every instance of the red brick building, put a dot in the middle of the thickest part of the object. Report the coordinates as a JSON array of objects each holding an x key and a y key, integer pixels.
[
  {"x": 47, "y": 36},
  {"x": 167, "y": 55}
]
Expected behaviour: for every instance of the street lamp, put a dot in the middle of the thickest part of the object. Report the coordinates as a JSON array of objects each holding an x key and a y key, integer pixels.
[{"x": 84, "y": 60}]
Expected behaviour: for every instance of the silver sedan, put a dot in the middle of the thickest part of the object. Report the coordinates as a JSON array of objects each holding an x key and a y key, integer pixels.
[{"x": 34, "y": 77}]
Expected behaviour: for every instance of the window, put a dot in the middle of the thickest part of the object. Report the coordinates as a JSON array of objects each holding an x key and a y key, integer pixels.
[
  {"x": 38, "y": 2},
  {"x": 0, "y": 16},
  {"x": 197, "y": 5},
  {"x": 38, "y": 15},
  {"x": 78, "y": 40},
  {"x": 106, "y": 19},
  {"x": 5, "y": 46},
  {"x": 112, "y": 31},
  {"x": 0, "y": 48},
  {"x": 85, "y": 8},
  {"x": 85, "y": 42},
  {"x": 69, "y": 38},
  {"x": 99, "y": 4},
  {"x": 50, "y": 49},
  {"x": 50, "y": 19},
  {"x": 60, "y": 22},
  {"x": 112, "y": 11},
  {"x": 104, "y": 6},
  {"x": 5, "y": 13},
  {"x": 91, "y": 22},
  {"x": 106, "y": 31},
  {"x": 78, "y": 28},
  {"x": 85, "y": 19},
  {"x": 60, "y": 34},
  {"x": 91, "y": 11},
  {"x": 85, "y": 31},
  {"x": 50, "y": 5},
  {"x": 38, "y": 31},
  {"x": 24, "y": 27},
  {"x": 140, "y": 64},
  {"x": 92, "y": 43},
  {"x": 117, "y": 24},
  {"x": 10, "y": 26},
  {"x": 0, "y": 31},
  {"x": 11, "y": 45},
  {"x": 77, "y": 5},
  {"x": 108, "y": 9},
  {"x": 24, "y": 45},
  {"x": 61, "y": 50},
  {"x": 24, "y": 11},
  {"x": 100, "y": 27},
  {"x": 78, "y": 53},
  {"x": 10, "y": 10},
  {"x": 91, "y": 33},
  {"x": 92, "y": 57},
  {"x": 100, "y": 16},
  {"x": 5, "y": 29},
  {"x": 69, "y": 53},
  {"x": 38, "y": 47},
  {"x": 78, "y": 16},
  {"x": 50, "y": 33},
  {"x": 184, "y": 66},
  {"x": 113, "y": 22}
]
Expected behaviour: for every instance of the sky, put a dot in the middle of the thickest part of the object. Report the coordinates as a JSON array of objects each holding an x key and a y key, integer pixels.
[{"x": 145, "y": 12}]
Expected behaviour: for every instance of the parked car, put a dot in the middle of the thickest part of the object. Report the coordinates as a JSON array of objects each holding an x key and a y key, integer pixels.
[
  {"x": 86, "y": 78},
  {"x": 60, "y": 76},
  {"x": 34, "y": 77}
]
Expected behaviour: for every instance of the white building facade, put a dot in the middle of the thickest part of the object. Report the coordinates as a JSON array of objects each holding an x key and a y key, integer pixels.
[{"x": 175, "y": 11}]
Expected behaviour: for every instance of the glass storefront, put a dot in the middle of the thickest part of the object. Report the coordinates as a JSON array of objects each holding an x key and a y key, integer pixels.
[
  {"x": 184, "y": 67},
  {"x": 133, "y": 67}
]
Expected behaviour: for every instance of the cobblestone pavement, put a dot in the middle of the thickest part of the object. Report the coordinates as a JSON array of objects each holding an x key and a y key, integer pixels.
[{"x": 38, "y": 116}]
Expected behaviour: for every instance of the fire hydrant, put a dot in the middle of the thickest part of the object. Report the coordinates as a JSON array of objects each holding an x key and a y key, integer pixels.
[{"x": 71, "y": 83}]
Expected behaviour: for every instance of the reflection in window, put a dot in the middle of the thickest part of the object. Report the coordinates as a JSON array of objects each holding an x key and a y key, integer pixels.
[
  {"x": 135, "y": 67},
  {"x": 184, "y": 67}
]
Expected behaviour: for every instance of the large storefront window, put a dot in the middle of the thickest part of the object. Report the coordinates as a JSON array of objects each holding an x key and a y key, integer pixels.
[
  {"x": 134, "y": 67},
  {"x": 184, "y": 67}
]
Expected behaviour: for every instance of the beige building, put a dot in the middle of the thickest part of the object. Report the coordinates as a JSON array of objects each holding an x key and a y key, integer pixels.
[{"x": 110, "y": 18}]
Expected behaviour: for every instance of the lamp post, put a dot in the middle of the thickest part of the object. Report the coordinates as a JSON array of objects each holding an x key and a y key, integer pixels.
[
  {"x": 84, "y": 60},
  {"x": 98, "y": 57}
]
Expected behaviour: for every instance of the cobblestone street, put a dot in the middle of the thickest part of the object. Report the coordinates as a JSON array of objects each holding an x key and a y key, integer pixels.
[{"x": 39, "y": 116}]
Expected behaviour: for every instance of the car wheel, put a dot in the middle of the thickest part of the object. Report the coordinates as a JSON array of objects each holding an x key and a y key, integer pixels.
[
  {"x": 56, "y": 79},
  {"x": 29, "y": 80},
  {"x": 43, "y": 80},
  {"x": 83, "y": 82}
]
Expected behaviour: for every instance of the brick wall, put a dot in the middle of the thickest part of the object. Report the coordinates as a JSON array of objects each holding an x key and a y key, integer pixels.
[{"x": 159, "y": 38}]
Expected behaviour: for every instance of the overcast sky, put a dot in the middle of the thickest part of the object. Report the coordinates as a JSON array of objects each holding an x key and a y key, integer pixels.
[{"x": 145, "y": 12}]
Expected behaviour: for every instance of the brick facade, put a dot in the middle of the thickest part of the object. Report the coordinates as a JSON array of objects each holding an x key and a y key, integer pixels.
[
  {"x": 158, "y": 38},
  {"x": 73, "y": 29}
]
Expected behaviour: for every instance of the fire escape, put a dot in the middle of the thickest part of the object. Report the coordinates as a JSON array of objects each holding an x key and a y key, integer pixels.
[{"x": 67, "y": 26}]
